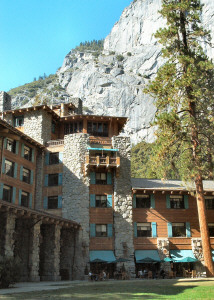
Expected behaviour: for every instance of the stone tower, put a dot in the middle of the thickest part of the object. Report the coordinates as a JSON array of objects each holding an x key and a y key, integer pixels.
[{"x": 5, "y": 101}]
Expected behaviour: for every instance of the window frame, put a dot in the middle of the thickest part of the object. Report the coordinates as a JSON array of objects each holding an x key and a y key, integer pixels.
[
  {"x": 103, "y": 202},
  {"x": 28, "y": 156},
  {"x": 51, "y": 199},
  {"x": 73, "y": 127},
  {"x": 182, "y": 235},
  {"x": 25, "y": 199},
  {"x": 178, "y": 199},
  {"x": 17, "y": 120},
  {"x": 28, "y": 177},
  {"x": 10, "y": 195},
  {"x": 144, "y": 233},
  {"x": 50, "y": 177},
  {"x": 100, "y": 181},
  {"x": 101, "y": 233},
  {"x": 13, "y": 145},
  {"x": 207, "y": 200},
  {"x": 146, "y": 205},
  {"x": 53, "y": 161},
  {"x": 11, "y": 168},
  {"x": 211, "y": 229},
  {"x": 94, "y": 129}
]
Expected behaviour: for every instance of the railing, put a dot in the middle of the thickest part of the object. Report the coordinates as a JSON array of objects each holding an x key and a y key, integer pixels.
[
  {"x": 53, "y": 143},
  {"x": 103, "y": 161},
  {"x": 100, "y": 140}
]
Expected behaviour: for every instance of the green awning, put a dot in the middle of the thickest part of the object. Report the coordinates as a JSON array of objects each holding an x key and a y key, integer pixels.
[
  {"x": 147, "y": 256},
  {"x": 104, "y": 255},
  {"x": 102, "y": 149},
  {"x": 182, "y": 256}
]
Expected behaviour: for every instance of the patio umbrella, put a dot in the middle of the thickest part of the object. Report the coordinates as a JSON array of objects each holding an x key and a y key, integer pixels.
[
  {"x": 187, "y": 259},
  {"x": 147, "y": 260}
]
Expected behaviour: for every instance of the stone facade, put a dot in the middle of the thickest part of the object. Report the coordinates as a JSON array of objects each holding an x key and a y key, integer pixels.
[
  {"x": 67, "y": 249},
  {"x": 9, "y": 234},
  {"x": 123, "y": 224},
  {"x": 39, "y": 180},
  {"x": 5, "y": 101},
  {"x": 37, "y": 124},
  {"x": 34, "y": 252},
  {"x": 75, "y": 190},
  {"x": 197, "y": 248}
]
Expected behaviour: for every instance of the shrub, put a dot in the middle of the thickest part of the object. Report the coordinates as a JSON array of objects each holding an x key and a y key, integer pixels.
[
  {"x": 112, "y": 52},
  {"x": 9, "y": 271},
  {"x": 120, "y": 57},
  {"x": 129, "y": 54}
]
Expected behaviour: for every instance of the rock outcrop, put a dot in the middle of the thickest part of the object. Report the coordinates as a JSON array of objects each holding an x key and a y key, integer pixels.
[{"x": 112, "y": 82}]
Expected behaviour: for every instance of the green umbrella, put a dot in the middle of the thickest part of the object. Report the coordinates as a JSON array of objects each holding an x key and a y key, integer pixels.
[
  {"x": 121, "y": 259},
  {"x": 168, "y": 259},
  {"x": 147, "y": 260}
]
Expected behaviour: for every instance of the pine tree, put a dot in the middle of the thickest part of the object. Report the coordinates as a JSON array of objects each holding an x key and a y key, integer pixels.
[{"x": 184, "y": 91}]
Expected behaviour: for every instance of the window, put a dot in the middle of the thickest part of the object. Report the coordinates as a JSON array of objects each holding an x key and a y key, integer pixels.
[
  {"x": 53, "y": 127},
  {"x": 101, "y": 201},
  {"x": 73, "y": 127},
  {"x": 143, "y": 201},
  {"x": 98, "y": 129},
  {"x": 9, "y": 168},
  {"x": 101, "y": 178},
  {"x": 25, "y": 199},
  {"x": 54, "y": 158},
  {"x": 52, "y": 202},
  {"x": 176, "y": 201},
  {"x": 144, "y": 230},
  {"x": 11, "y": 145},
  {"x": 178, "y": 229},
  {"x": 19, "y": 121},
  {"x": 211, "y": 229},
  {"x": 26, "y": 175},
  {"x": 209, "y": 202},
  {"x": 7, "y": 193},
  {"x": 53, "y": 179},
  {"x": 101, "y": 230},
  {"x": 27, "y": 153}
]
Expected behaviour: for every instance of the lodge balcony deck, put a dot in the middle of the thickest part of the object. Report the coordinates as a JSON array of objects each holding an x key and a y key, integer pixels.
[{"x": 108, "y": 162}]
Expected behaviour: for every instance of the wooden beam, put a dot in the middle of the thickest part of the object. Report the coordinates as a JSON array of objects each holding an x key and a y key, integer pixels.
[{"x": 10, "y": 136}]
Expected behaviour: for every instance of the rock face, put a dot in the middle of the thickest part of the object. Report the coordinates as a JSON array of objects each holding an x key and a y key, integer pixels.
[{"x": 112, "y": 83}]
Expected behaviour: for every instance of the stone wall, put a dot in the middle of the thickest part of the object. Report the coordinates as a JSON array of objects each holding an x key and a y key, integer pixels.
[
  {"x": 67, "y": 244},
  {"x": 75, "y": 190},
  {"x": 2, "y": 232},
  {"x": 34, "y": 251},
  {"x": 5, "y": 101},
  {"x": 123, "y": 224},
  {"x": 9, "y": 234},
  {"x": 37, "y": 124}
]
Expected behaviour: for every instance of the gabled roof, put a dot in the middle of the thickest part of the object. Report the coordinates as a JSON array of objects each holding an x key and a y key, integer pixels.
[
  {"x": 164, "y": 185},
  {"x": 21, "y": 134}
]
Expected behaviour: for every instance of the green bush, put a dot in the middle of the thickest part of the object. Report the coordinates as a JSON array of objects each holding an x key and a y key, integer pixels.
[
  {"x": 9, "y": 271},
  {"x": 120, "y": 57},
  {"x": 129, "y": 54}
]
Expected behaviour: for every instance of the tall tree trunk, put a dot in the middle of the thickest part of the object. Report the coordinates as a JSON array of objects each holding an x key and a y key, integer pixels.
[{"x": 204, "y": 227}]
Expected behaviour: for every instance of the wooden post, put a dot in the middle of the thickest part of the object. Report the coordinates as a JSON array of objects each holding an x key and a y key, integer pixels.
[{"x": 204, "y": 227}]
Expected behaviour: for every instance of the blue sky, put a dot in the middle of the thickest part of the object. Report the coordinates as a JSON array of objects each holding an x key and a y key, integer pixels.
[{"x": 37, "y": 34}]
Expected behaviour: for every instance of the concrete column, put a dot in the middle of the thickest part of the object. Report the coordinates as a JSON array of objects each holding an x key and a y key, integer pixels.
[
  {"x": 9, "y": 234},
  {"x": 123, "y": 223},
  {"x": 34, "y": 252}
]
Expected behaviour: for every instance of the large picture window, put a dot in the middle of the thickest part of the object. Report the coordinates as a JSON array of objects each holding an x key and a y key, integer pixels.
[
  {"x": 178, "y": 229},
  {"x": 73, "y": 127},
  {"x": 177, "y": 201},
  {"x": 98, "y": 129},
  {"x": 144, "y": 230},
  {"x": 143, "y": 201}
]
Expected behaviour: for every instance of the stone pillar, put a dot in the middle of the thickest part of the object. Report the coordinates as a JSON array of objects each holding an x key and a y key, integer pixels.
[
  {"x": 9, "y": 234},
  {"x": 5, "y": 101},
  {"x": 75, "y": 194},
  {"x": 34, "y": 252},
  {"x": 123, "y": 223},
  {"x": 39, "y": 180},
  {"x": 67, "y": 253},
  {"x": 197, "y": 248},
  {"x": 50, "y": 252},
  {"x": 163, "y": 251}
]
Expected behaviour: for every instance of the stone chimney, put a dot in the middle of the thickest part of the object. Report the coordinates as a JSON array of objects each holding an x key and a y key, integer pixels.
[{"x": 5, "y": 101}]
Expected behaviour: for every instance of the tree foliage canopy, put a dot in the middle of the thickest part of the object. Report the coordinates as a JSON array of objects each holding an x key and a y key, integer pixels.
[{"x": 184, "y": 90}]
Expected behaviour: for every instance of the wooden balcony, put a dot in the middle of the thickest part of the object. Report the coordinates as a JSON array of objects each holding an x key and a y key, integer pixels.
[
  {"x": 54, "y": 143},
  {"x": 100, "y": 140},
  {"x": 98, "y": 161}
]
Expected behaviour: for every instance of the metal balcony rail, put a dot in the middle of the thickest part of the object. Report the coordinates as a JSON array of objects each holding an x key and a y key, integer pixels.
[{"x": 53, "y": 143}]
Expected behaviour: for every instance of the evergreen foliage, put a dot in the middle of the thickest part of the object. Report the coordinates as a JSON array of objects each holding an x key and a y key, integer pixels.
[
  {"x": 184, "y": 90},
  {"x": 95, "y": 45}
]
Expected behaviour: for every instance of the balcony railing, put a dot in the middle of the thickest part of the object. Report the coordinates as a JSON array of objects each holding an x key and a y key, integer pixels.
[
  {"x": 53, "y": 143},
  {"x": 103, "y": 161},
  {"x": 100, "y": 140}
]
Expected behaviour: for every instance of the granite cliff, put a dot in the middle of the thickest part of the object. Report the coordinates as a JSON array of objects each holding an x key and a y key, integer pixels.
[{"x": 112, "y": 82}]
